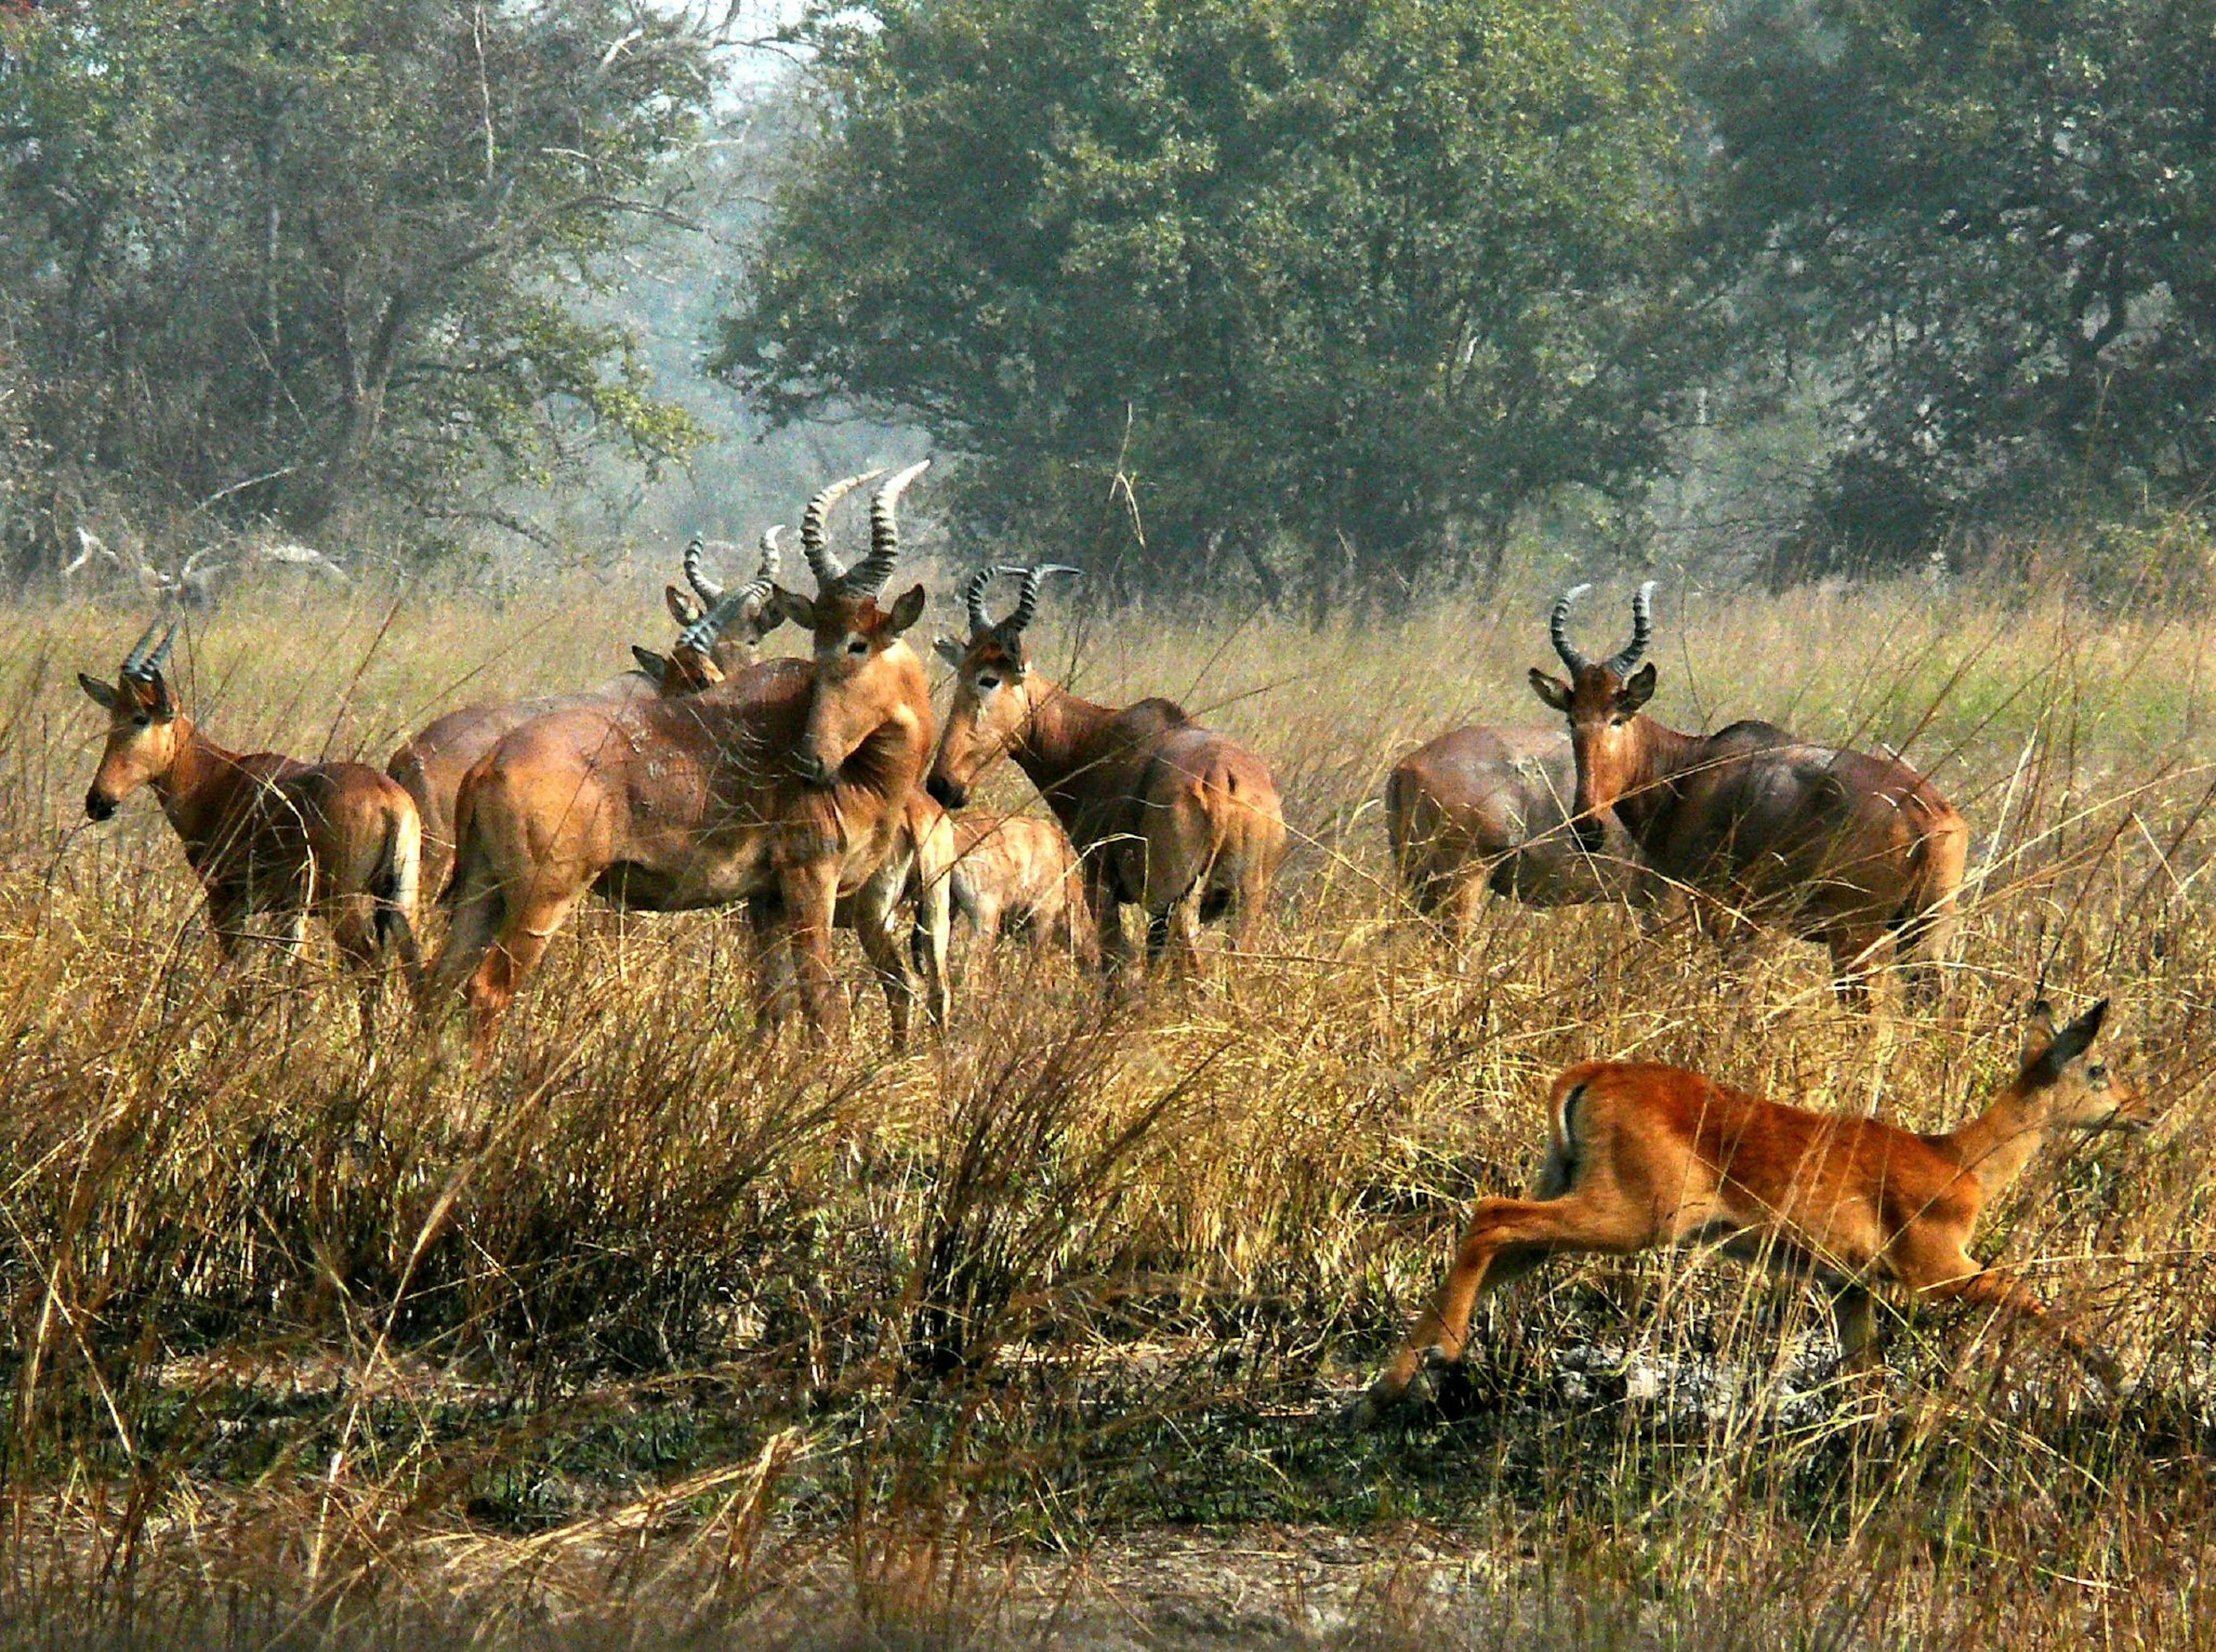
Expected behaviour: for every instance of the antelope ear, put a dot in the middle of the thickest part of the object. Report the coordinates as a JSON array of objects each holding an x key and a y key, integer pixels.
[
  {"x": 1553, "y": 690},
  {"x": 680, "y": 607},
  {"x": 907, "y": 611},
  {"x": 1638, "y": 691},
  {"x": 944, "y": 647},
  {"x": 653, "y": 665},
  {"x": 101, "y": 694},
  {"x": 800, "y": 610},
  {"x": 2046, "y": 1057}
]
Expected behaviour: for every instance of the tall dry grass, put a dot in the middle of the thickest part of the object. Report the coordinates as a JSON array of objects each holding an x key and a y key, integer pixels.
[{"x": 663, "y": 1329}]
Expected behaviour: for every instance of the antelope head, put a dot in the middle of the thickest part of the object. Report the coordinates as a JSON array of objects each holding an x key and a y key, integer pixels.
[
  {"x": 992, "y": 686},
  {"x": 723, "y": 632},
  {"x": 144, "y": 732},
  {"x": 864, "y": 676},
  {"x": 2067, "y": 1086},
  {"x": 736, "y": 640},
  {"x": 1602, "y": 701}
]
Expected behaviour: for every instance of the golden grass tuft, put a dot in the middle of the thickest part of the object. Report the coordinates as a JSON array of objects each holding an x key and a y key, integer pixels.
[{"x": 663, "y": 1330}]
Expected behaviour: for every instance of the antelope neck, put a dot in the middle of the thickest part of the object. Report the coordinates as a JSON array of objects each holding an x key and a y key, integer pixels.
[
  {"x": 1996, "y": 1144},
  {"x": 1060, "y": 735},
  {"x": 1647, "y": 789},
  {"x": 193, "y": 789}
]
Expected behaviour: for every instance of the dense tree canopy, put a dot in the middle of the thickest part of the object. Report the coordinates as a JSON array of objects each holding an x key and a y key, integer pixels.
[
  {"x": 1361, "y": 276},
  {"x": 1988, "y": 228},
  {"x": 284, "y": 255}
]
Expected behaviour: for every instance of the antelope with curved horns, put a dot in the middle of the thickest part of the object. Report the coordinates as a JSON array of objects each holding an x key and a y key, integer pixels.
[
  {"x": 1835, "y": 846},
  {"x": 1641, "y": 1156},
  {"x": 431, "y": 763},
  {"x": 787, "y": 787},
  {"x": 268, "y": 836},
  {"x": 1165, "y": 814}
]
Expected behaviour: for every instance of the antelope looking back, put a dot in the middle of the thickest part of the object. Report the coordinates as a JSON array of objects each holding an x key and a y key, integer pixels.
[
  {"x": 1167, "y": 815},
  {"x": 786, "y": 786},
  {"x": 270, "y": 837},
  {"x": 1640, "y": 1156},
  {"x": 1835, "y": 846},
  {"x": 432, "y": 763}
]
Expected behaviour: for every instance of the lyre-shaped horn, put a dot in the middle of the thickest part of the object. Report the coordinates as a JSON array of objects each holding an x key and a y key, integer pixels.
[
  {"x": 696, "y": 574},
  {"x": 1558, "y": 628},
  {"x": 1626, "y": 659},
  {"x": 828, "y": 570},
  {"x": 1027, "y": 599},
  {"x": 873, "y": 570}
]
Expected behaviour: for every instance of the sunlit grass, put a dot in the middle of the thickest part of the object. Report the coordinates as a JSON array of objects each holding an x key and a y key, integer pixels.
[{"x": 660, "y": 1325}]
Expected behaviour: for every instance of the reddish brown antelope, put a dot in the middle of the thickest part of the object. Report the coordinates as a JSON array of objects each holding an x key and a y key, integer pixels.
[
  {"x": 786, "y": 786},
  {"x": 1165, "y": 814},
  {"x": 1834, "y": 846},
  {"x": 270, "y": 838},
  {"x": 1020, "y": 877},
  {"x": 1640, "y": 1156},
  {"x": 1482, "y": 809},
  {"x": 431, "y": 763}
]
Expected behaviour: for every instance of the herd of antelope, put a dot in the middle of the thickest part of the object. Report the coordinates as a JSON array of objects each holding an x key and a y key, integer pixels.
[{"x": 823, "y": 792}]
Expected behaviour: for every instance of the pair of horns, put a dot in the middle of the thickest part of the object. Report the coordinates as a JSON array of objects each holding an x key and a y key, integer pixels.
[
  {"x": 710, "y": 590},
  {"x": 867, "y": 576},
  {"x": 1027, "y": 599},
  {"x": 146, "y": 655},
  {"x": 1625, "y": 659}
]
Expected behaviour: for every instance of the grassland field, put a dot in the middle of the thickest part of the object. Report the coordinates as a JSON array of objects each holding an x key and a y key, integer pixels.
[{"x": 661, "y": 1332}]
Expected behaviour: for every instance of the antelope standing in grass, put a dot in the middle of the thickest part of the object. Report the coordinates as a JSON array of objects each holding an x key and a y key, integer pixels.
[
  {"x": 787, "y": 786},
  {"x": 1165, "y": 814},
  {"x": 1483, "y": 808},
  {"x": 1641, "y": 1156},
  {"x": 1834, "y": 846},
  {"x": 432, "y": 763},
  {"x": 272, "y": 840},
  {"x": 1018, "y": 877}
]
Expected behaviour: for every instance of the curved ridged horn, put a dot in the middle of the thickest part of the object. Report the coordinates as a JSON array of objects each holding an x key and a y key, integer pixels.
[
  {"x": 772, "y": 557},
  {"x": 1027, "y": 601},
  {"x": 827, "y": 569},
  {"x": 700, "y": 635},
  {"x": 973, "y": 598},
  {"x": 135, "y": 661},
  {"x": 874, "y": 569},
  {"x": 696, "y": 575},
  {"x": 1625, "y": 660},
  {"x": 161, "y": 655},
  {"x": 1558, "y": 628}
]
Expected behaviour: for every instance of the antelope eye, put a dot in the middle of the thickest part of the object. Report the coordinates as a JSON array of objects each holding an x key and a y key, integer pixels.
[
  {"x": 859, "y": 645},
  {"x": 989, "y": 684},
  {"x": 2096, "y": 1074},
  {"x": 143, "y": 719}
]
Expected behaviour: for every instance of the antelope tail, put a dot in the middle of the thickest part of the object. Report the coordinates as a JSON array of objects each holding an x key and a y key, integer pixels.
[{"x": 396, "y": 886}]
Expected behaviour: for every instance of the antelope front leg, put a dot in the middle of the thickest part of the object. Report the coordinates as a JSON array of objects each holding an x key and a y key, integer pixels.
[
  {"x": 1991, "y": 1287},
  {"x": 810, "y": 895},
  {"x": 876, "y": 909},
  {"x": 1107, "y": 917},
  {"x": 1506, "y": 1239}
]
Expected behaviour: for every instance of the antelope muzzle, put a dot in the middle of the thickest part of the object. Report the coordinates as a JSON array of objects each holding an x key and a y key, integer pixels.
[
  {"x": 815, "y": 771},
  {"x": 98, "y": 806},
  {"x": 945, "y": 793}
]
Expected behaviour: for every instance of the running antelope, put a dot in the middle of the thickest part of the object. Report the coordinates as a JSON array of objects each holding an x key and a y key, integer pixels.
[
  {"x": 431, "y": 764},
  {"x": 1482, "y": 809},
  {"x": 787, "y": 786},
  {"x": 1018, "y": 877},
  {"x": 1165, "y": 814},
  {"x": 1834, "y": 846},
  {"x": 270, "y": 838},
  {"x": 1641, "y": 1156}
]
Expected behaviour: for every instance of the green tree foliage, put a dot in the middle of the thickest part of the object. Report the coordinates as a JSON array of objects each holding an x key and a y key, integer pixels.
[
  {"x": 1361, "y": 277},
  {"x": 1988, "y": 227},
  {"x": 289, "y": 255}
]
